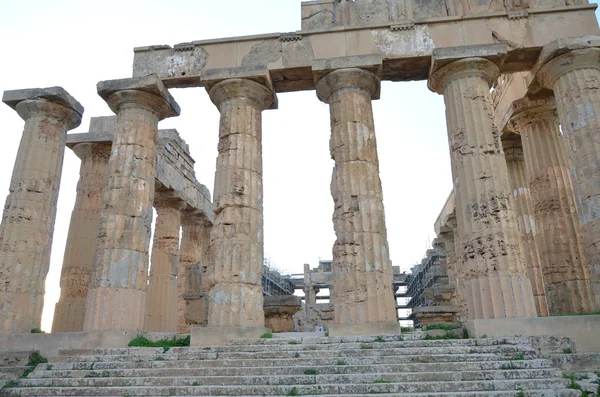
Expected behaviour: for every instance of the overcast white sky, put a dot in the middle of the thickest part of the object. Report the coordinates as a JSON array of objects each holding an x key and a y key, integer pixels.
[{"x": 75, "y": 44}]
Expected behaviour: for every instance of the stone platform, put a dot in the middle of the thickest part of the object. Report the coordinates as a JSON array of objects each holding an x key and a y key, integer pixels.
[
  {"x": 583, "y": 330},
  {"x": 328, "y": 366}
]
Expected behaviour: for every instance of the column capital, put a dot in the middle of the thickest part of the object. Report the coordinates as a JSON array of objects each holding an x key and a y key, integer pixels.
[
  {"x": 148, "y": 92},
  {"x": 550, "y": 71},
  {"x": 242, "y": 89},
  {"x": 527, "y": 111},
  {"x": 481, "y": 67},
  {"x": 53, "y": 102},
  {"x": 85, "y": 149},
  {"x": 348, "y": 79}
]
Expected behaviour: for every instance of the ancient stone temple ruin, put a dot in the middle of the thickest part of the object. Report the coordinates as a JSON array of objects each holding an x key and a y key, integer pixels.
[{"x": 520, "y": 80}]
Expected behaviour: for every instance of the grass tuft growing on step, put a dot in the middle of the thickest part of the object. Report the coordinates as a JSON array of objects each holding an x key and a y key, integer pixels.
[
  {"x": 340, "y": 362},
  {"x": 166, "y": 344},
  {"x": 311, "y": 371},
  {"x": 574, "y": 385},
  {"x": 293, "y": 392},
  {"x": 266, "y": 336},
  {"x": 10, "y": 384},
  {"x": 442, "y": 337},
  {"x": 37, "y": 331},
  {"x": 443, "y": 327},
  {"x": 379, "y": 339},
  {"x": 35, "y": 359}
]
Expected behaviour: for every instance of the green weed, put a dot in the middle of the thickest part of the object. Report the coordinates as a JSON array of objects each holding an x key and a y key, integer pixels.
[
  {"x": 293, "y": 392},
  {"x": 141, "y": 341},
  {"x": 266, "y": 336}
]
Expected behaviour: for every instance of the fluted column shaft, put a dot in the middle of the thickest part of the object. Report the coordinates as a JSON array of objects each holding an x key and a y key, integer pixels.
[
  {"x": 362, "y": 271},
  {"x": 495, "y": 280},
  {"x": 82, "y": 237},
  {"x": 559, "y": 236},
  {"x": 30, "y": 210},
  {"x": 117, "y": 297},
  {"x": 524, "y": 213},
  {"x": 193, "y": 265},
  {"x": 575, "y": 79},
  {"x": 235, "y": 297},
  {"x": 161, "y": 299}
]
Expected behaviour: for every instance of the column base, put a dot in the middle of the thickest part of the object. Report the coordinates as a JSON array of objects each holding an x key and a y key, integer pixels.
[
  {"x": 364, "y": 329},
  {"x": 215, "y": 336}
]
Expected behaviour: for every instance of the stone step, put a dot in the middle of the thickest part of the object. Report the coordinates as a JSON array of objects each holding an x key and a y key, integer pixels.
[
  {"x": 103, "y": 379},
  {"x": 296, "y": 346},
  {"x": 173, "y": 369},
  {"x": 166, "y": 361},
  {"x": 339, "y": 389},
  {"x": 365, "y": 351},
  {"x": 530, "y": 393},
  {"x": 11, "y": 372}
]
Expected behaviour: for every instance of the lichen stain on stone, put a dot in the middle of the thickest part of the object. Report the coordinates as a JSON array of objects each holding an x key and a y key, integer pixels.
[
  {"x": 297, "y": 53},
  {"x": 398, "y": 44},
  {"x": 581, "y": 116},
  {"x": 263, "y": 53},
  {"x": 182, "y": 63}
]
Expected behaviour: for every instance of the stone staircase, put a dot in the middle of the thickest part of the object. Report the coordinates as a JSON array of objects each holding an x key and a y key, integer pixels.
[{"x": 353, "y": 366}]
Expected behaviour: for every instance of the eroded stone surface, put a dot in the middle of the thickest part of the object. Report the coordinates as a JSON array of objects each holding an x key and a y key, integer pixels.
[
  {"x": 558, "y": 232},
  {"x": 117, "y": 297},
  {"x": 83, "y": 234},
  {"x": 237, "y": 235},
  {"x": 30, "y": 209},
  {"x": 495, "y": 280},
  {"x": 162, "y": 297},
  {"x": 195, "y": 261},
  {"x": 524, "y": 213},
  {"x": 362, "y": 271},
  {"x": 575, "y": 78}
]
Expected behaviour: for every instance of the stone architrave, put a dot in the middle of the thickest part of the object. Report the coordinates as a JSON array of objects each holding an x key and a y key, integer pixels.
[
  {"x": 236, "y": 297},
  {"x": 194, "y": 259},
  {"x": 117, "y": 297},
  {"x": 30, "y": 210},
  {"x": 362, "y": 290},
  {"x": 493, "y": 271},
  {"x": 575, "y": 78},
  {"x": 161, "y": 296},
  {"x": 82, "y": 238},
  {"x": 559, "y": 236},
  {"x": 524, "y": 212}
]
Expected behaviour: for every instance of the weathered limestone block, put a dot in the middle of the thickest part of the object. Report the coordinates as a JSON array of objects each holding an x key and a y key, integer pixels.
[
  {"x": 524, "y": 213},
  {"x": 235, "y": 297},
  {"x": 279, "y": 312},
  {"x": 30, "y": 210},
  {"x": 161, "y": 299},
  {"x": 362, "y": 271},
  {"x": 194, "y": 263},
  {"x": 117, "y": 296},
  {"x": 82, "y": 238},
  {"x": 575, "y": 78},
  {"x": 495, "y": 280},
  {"x": 559, "y": 236}
]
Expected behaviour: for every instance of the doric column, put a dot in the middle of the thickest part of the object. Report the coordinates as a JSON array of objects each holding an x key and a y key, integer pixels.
[
  {"x": 559, "y": 239},
  {"x": 523, "y": 206},
  {"x": 161, "y": 298},
  {"x": 30, "y": 210},
  {"x": 494, "y": 276},
  {"x": 194, "y": 260},
  {"x": 235, "y": 297},
  {"x": 117, "y": 296},
  {"x": 82, "y": 238},
  {"x": 362, "y": 271},
  {"x": 575, "y": 78}
]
